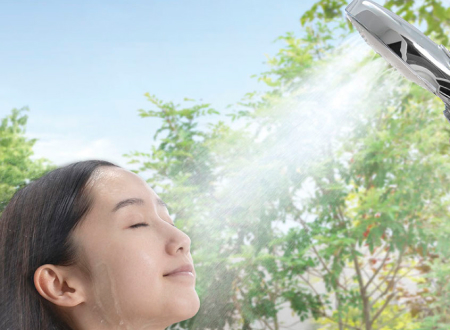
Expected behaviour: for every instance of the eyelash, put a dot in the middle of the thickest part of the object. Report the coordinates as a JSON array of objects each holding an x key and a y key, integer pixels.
[{"x": 142, "y": 224}]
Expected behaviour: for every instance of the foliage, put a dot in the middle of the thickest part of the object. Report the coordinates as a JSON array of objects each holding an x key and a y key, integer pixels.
[
  {"x": 436, "y": 290},
  {"x": 16, "y": 166},
  {"x": 375, "y": 203},
  {"x": 393, "y": 318},
  {"x": 432, "y": 12},
  {"x": 182, "y": 172},
  {"x": 378, "y": 200}
]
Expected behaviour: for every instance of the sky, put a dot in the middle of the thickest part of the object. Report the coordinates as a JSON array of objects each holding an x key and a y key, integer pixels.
[{"x": 83, "y": 67}]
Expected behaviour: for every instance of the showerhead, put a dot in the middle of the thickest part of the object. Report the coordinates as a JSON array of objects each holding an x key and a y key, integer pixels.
[{"x": 406, "y": 48}]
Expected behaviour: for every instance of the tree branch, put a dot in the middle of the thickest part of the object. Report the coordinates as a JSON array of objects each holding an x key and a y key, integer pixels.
[
  {"x": 377, "y": 271},
  {"x": 267, "y": 324},
  {"x": 392, "y": 295},
  {"x": 381, "y": 282},
  {"x": 318, "y": 255},
  {"x": 362, "y": 290},
  {"x": 391, "y": 283}
]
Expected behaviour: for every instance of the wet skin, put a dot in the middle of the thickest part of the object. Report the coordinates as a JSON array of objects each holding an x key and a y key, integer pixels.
[{"x": 129, "y": 289}]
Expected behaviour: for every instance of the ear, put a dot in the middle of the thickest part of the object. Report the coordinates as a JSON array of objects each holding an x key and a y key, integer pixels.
[{"x": 59, "y": 285}]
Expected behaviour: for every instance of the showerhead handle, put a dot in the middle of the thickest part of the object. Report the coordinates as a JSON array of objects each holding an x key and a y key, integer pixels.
[{"x": 405, "y": 47}]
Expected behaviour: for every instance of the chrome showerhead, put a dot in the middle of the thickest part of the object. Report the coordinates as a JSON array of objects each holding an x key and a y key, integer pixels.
[{"x": 406, "y": 48}]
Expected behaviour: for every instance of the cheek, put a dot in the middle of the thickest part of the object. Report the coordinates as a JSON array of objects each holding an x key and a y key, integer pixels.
[
  {"x": 136, "y": 268},
  {"x": 134, "y": 282}
]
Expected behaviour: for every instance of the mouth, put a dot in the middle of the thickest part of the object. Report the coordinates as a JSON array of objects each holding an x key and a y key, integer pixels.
[
  {"x": 190, "y": 274},
  {"x": 186, "y": 269}
]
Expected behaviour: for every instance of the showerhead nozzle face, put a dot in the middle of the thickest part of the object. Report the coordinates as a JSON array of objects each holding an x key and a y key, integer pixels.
[{"x": 403, "y": 46}]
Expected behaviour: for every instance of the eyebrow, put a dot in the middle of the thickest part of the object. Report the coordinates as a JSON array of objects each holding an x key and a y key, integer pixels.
[{"x": 135, "y": 201}]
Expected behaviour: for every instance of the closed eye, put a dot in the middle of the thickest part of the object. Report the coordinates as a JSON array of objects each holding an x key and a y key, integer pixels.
[{"x": 142, "y": 224}]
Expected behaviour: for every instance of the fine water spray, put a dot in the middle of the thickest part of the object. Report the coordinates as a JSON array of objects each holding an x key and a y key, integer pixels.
[{"x": 406, "y": 48}]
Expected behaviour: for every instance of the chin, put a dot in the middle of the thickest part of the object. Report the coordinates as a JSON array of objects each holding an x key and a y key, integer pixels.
[{"x": 188, "y": 308}]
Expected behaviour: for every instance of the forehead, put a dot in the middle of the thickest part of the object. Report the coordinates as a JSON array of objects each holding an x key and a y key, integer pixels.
[{"x": 111, "y": 184}]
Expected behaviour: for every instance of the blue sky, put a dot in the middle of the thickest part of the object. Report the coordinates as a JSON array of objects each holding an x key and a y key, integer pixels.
[{"x": 82, "y": 67}]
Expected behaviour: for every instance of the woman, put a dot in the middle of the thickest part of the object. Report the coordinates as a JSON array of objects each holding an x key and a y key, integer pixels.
[{"x": 89, "y": 246}]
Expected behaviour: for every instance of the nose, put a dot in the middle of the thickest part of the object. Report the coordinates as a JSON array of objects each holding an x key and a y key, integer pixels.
[{"x": 179, "y": 241}]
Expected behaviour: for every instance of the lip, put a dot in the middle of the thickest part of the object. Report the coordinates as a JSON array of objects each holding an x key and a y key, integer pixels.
[{"x": 183, "y": 269}]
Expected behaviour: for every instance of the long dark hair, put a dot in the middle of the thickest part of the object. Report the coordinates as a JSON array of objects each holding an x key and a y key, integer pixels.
[{"x": 35, "y": 229}]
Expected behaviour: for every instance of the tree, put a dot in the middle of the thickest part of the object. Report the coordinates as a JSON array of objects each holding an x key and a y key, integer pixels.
[
  {"x": 16, "y": 167},
  {"x": 228, "y": 188}
]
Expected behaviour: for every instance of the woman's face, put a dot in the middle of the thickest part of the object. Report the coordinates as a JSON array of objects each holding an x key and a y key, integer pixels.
[{"x": 129, "y": 289}]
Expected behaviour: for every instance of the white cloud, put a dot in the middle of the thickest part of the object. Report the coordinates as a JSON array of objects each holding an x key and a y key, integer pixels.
[{"x": 63, "y": 149}]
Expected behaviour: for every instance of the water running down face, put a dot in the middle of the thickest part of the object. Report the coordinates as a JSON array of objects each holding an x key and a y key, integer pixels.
[{"x": 127, "y": 262}]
